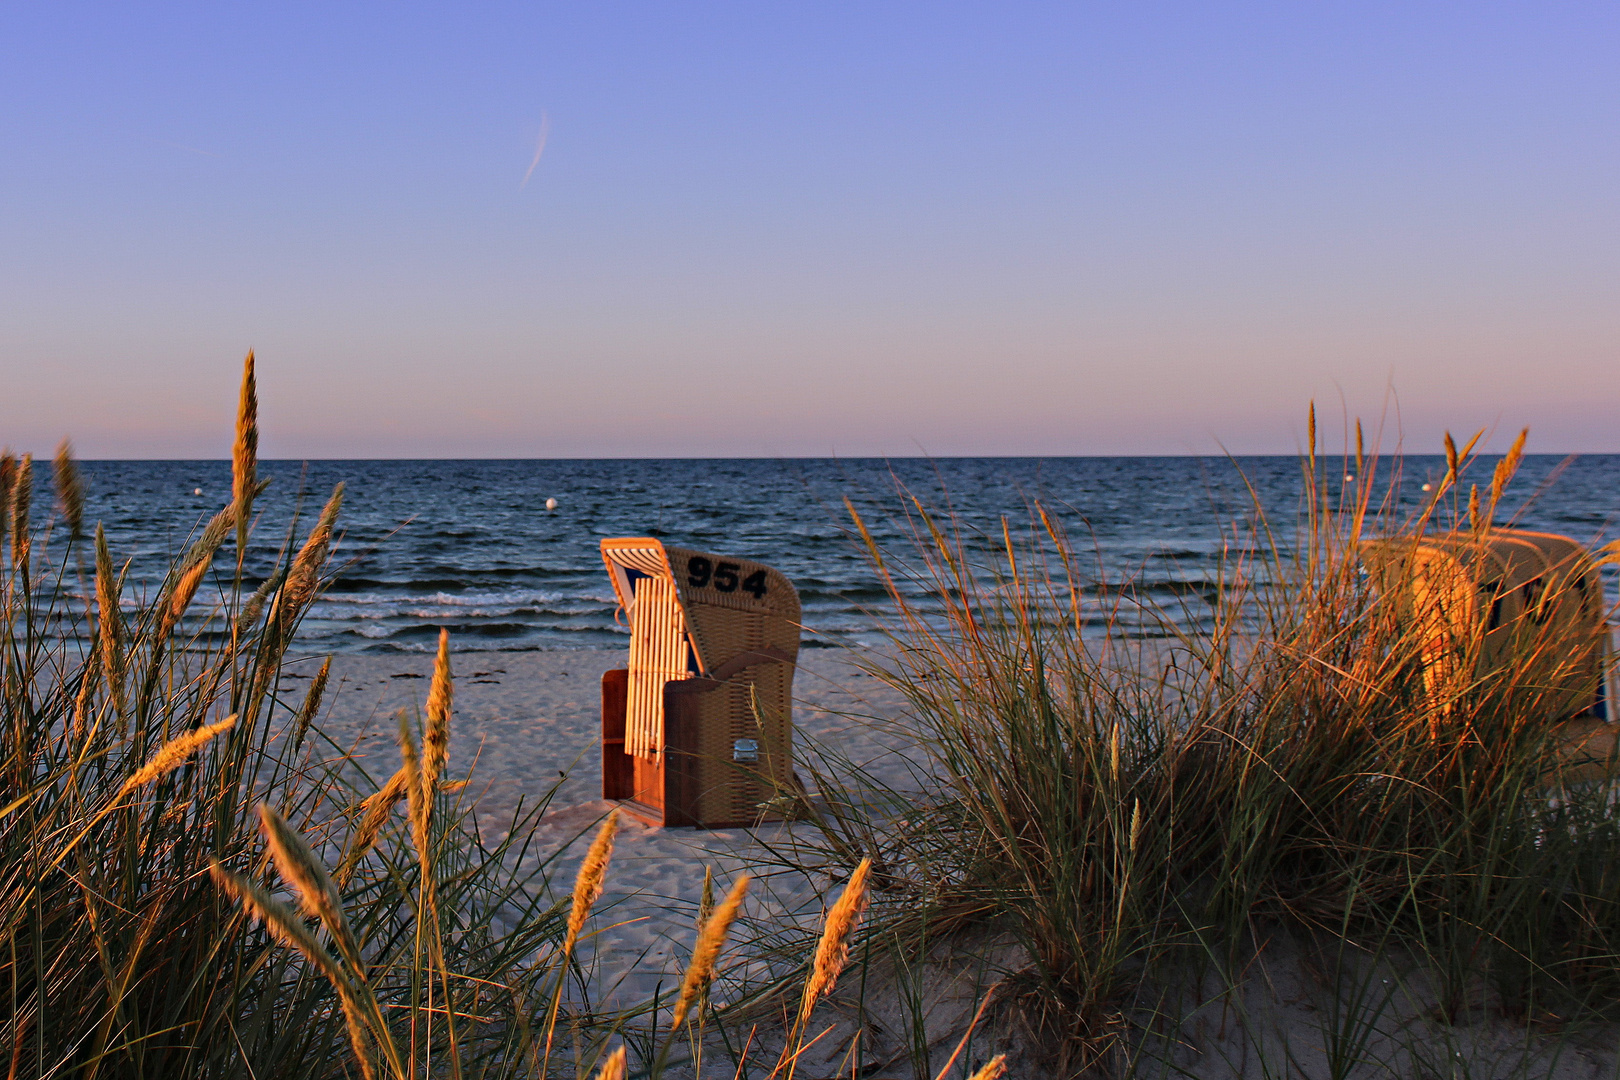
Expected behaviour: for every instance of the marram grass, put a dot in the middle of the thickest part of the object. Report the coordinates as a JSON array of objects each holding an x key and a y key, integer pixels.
[
  {"x": 140, "y": 736},
  {"x": 1127, "y": 807}
]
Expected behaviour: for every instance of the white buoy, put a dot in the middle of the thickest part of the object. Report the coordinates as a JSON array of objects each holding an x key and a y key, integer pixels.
[
  {"x": 196, "y": 491},
  {"x": 1349, "y": 478},
  {"x": 1428, "y": 487},
  {"x": 551, "y": 504}
]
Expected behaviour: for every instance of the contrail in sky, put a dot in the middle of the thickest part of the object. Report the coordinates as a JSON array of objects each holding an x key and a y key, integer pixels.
[{"x": 539, "y": 148}]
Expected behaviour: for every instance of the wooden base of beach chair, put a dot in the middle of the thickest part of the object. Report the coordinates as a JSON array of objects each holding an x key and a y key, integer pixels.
[{"x": 696, "y": 781}]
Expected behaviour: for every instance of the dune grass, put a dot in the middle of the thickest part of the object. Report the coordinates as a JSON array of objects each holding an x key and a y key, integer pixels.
[
  {"x": 1127, "y": 807},
  {"x": 141, "y": 732}
]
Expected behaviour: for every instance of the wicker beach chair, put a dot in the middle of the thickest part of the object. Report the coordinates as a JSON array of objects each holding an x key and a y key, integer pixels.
[
  {"x": 698, "y": 729},
  {"x": 1511, "y": 597}
]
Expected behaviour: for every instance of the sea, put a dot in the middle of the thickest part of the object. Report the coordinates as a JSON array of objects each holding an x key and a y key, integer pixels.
[{"x": 472, "y": 545}]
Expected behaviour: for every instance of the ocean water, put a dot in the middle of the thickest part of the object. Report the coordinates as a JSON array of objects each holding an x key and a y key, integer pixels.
[{"x": 471, "y": 546}]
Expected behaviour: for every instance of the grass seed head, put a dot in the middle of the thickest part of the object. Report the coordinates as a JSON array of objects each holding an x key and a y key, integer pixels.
[
  {"x": 286, "y": 927},
  {"x": 185, "y": 588},
  {"x": 1506, "y": 468},
  {"x": 436, "y": 738},
  {"x": 411, "y": 769},
  {"x": 298, "y": 866},
  {"x": 245, "y": 453},
  {"x": 706, "y": 953},
  {"x": 613, "y": 1067},
  {"x": 253, "y": 606},
  {"x": 303, "y": 577},
  {"x": 588, "y": 883},
  {"x": 22, "y": 492},
  {"x": 193, "y": 569},
  {"x": 706, "y": 897},
  {"x": 282, "y": 921},
  {"x": 174, "y": 753},
  {"x": 69, "y": 489},
  {"x": 832, "y": 953},
  {"x": 312, "y": 702},
  {"x": 374, "y": 813},
  {"x": 1310, "y": 435},
  {"x": 8, "y": 480}
]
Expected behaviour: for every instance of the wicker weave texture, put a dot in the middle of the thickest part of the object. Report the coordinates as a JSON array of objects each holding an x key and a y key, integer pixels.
[
  {"x": 1505, "y": 597},
  {"x": 751, "y": 706},
  {"x": 733, "y": 604}
]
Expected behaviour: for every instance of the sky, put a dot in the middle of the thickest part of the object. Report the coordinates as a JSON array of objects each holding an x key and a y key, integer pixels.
[{"x": 784, "y": 229}]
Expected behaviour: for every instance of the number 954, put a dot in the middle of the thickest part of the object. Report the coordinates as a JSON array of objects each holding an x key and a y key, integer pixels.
[{"x": 723, "y": 577}]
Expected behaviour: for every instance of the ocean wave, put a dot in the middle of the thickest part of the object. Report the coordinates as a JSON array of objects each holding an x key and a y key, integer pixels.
[
  {"x": 474, "y": 554},
  {"x": 507, "y": 598}
]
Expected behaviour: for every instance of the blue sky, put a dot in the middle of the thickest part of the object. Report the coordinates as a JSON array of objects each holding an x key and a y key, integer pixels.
[{"x": 777, "y": 229}]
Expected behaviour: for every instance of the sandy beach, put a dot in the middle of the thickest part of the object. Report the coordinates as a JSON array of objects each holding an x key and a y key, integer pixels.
[{"x": 526, "y": 722}]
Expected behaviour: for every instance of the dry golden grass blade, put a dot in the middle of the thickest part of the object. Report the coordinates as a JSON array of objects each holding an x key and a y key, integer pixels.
[
  {"x": 588, "y": 883},
  {"x": 832, "y": 953},
  {"x": 317, "y": 894},
  {"x": 109, "y": 623},
  {"x": 374, "y": 811},
  {"x": 173, "y": 754},
  {"x": 69, "y": 489},
  {"x": 613, "y": 1068},
  {"x": 285, "y": 926},
  {"x": 436, "y": 738},
  {"x": 706, "y": 953},
  {"x": 245, "y": 455},
  {"x": 1451, "y": 462},
  {"x": 22, "y": 492},
  {"x": 304, "y": 576}
]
